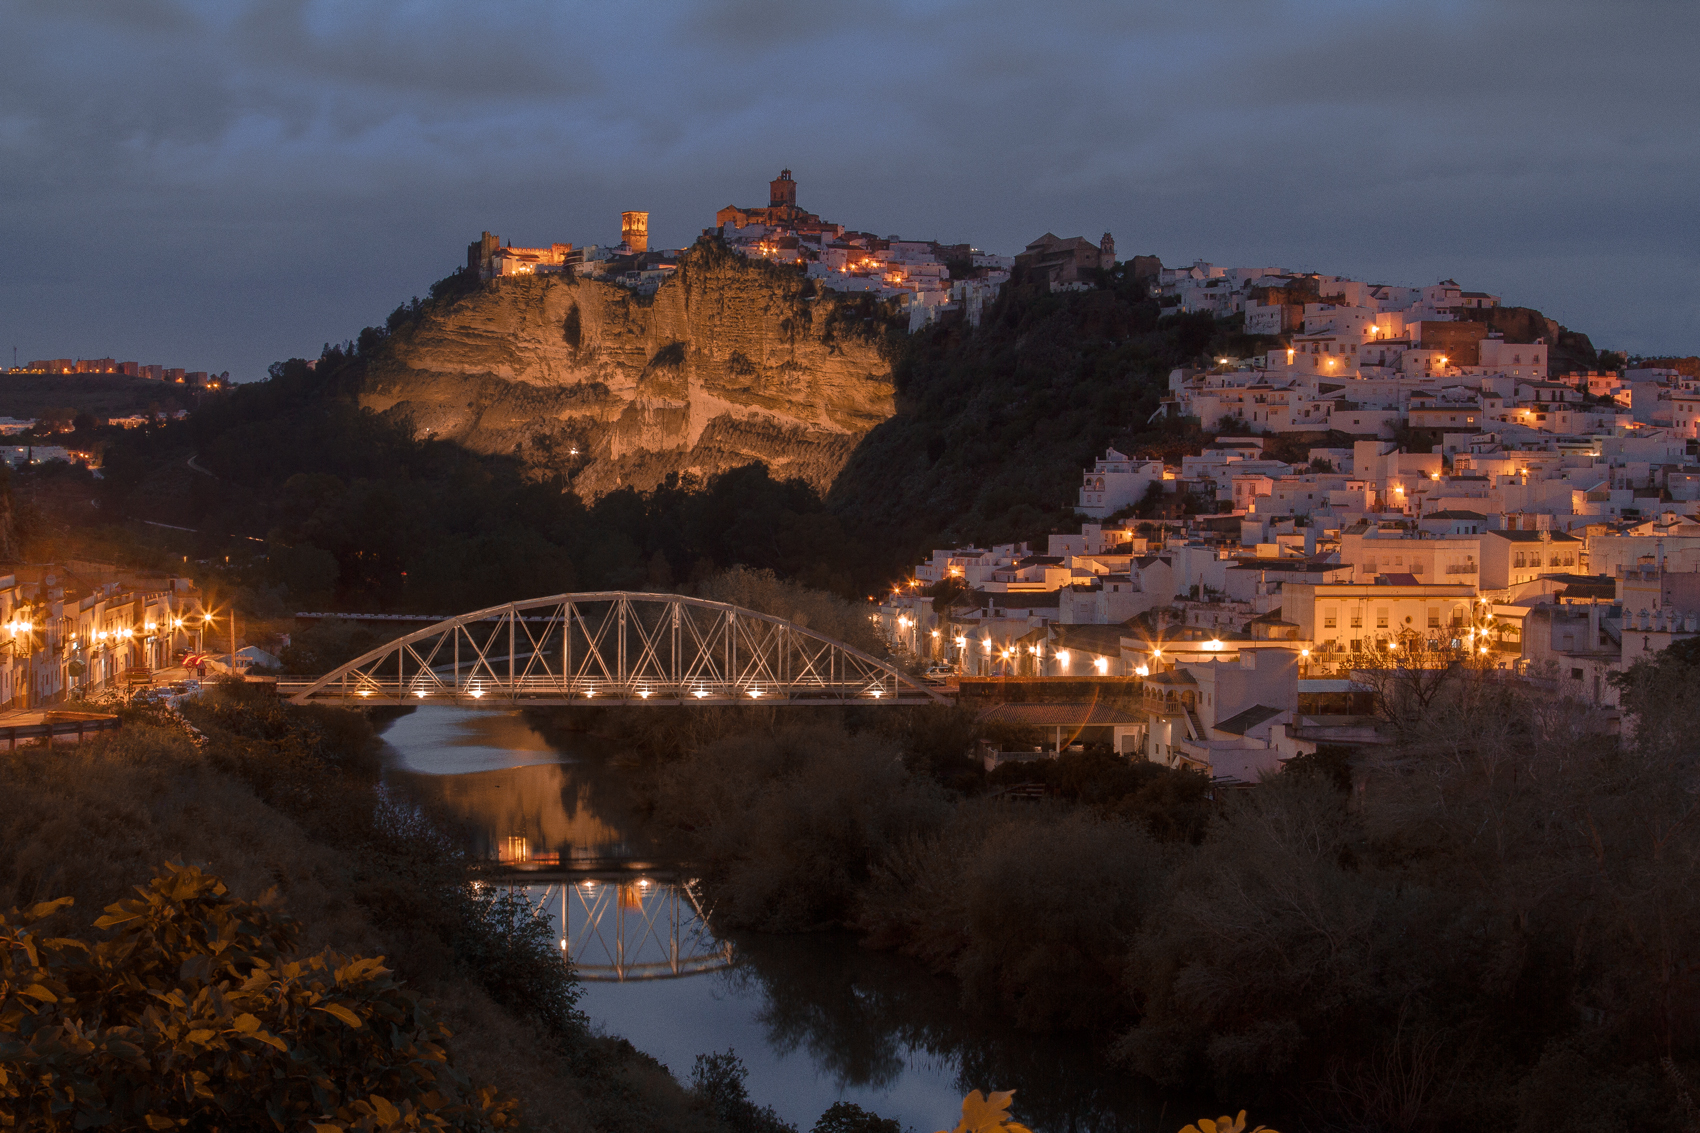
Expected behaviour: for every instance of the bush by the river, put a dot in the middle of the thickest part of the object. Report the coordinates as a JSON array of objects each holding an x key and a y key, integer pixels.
[
  {"x": 1493, "y": 923},
  {"x": 288, "y": 799}
]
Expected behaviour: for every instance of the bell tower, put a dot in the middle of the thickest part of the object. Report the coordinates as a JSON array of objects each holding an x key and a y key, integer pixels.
[
  {"x": 634, "y": 230},
  {"x": 782, "y": 192}
]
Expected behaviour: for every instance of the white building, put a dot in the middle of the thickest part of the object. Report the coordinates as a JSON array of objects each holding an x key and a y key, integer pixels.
[{"x": 1116, "y": 481}]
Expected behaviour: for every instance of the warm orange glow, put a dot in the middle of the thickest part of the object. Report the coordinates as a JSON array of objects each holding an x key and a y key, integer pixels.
[{"x": 1102, "y": 664}]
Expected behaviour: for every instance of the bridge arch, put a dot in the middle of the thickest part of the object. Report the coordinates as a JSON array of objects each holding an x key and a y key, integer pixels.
[{"x": 614, "y": 647}]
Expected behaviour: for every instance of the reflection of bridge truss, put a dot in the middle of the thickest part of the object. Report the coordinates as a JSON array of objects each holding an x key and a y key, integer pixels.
[
  {"x": 615, "y": 647},
  {"x": 631, "y": 930}
]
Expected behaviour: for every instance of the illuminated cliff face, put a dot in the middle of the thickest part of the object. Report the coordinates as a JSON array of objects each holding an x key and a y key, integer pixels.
[{"x": 728, "y": 363}]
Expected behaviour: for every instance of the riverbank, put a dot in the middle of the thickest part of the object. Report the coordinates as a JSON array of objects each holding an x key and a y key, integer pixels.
[
  {"x": 288, "y": 799},
  {"x": 1487, "y": 924}
]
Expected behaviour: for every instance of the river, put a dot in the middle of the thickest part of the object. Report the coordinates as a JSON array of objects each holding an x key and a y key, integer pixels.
[{"x": 815, "y": 1019}]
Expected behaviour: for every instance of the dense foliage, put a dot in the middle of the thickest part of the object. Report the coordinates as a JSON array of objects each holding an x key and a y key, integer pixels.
[
  {"x": 287, "y": 798},
  {"x": 994, "y": 424},
  {"x": 201, "y": 1013},
  {"x": 1488, "y": 923}
]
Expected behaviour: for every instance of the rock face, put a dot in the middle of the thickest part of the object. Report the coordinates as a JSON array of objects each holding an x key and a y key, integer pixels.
[{"x": 729, "y": 362}]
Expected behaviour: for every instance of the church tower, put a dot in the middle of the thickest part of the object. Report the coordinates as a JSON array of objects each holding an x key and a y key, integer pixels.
[{"x": 782, "y": 193}]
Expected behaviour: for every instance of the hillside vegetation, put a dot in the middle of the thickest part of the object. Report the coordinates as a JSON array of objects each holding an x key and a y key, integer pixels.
[{"x": 1488, "y": 925}]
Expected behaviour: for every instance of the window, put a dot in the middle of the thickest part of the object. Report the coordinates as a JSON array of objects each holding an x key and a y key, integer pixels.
[
  {"x": 1519, "y": 559},
  {"x": 1381, "y": 617},
  {"x": 1575, "y": 674},
  {"x": 1433, "y": 618},
  {"x": 1357, "y": 619},
  {"x": 1328, "y": 620}
]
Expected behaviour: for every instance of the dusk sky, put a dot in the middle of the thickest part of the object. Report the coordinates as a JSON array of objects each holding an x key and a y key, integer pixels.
[{"x": 217, "y": 185}]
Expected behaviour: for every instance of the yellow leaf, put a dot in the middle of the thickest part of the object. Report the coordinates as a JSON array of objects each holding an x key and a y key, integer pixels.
[
  {"x": 245, "y": 1023},
  {"x": 154, "y": 1121},
  {"x": 200, "y": 1036},
  {"x": 387, "y": 1113},
  {"x": 321, "y": 1127},
  {"x": 988, "y": 1113},
  {"x": 270, "y": 1040},
  {"x": 36, "y": 991},
  {"x": 36, "y": 912},
  {"x": 342, "y": 1013}
]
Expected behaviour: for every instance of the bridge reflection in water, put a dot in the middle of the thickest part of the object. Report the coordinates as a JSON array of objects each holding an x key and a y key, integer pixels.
[{"x": 617, "y": 929}]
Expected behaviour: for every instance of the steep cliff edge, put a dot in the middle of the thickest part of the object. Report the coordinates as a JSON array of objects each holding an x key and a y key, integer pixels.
[{"x": 729, "y": 362}]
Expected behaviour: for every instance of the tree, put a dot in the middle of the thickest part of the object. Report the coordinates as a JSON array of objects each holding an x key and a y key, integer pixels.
[
  {"x": 848, "y": 1117},
  {"x": 718, "y": 1082},
  {"x": 198, "y": 1013}
]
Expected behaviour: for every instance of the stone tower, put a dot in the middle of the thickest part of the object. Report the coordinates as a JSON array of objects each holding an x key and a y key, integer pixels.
[
  {"x": 782, "y": 193},
  {"x": 1107, "y": 252},
  {"x": 634, "y": 230}
]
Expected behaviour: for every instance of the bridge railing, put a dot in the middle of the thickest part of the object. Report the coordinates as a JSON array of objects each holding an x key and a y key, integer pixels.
[{"x": 617, "y": 647}]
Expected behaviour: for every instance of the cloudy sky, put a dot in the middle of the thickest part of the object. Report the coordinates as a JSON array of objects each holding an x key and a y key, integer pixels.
[{"x": 217, "y": 184}]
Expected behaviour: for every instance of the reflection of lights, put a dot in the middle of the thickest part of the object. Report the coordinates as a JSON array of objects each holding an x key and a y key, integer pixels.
[
  {"x": 589, "y": 692},
  {"x": 878, "y": 692},
  {"x": 700, "y": 693},
  {"x": 420, "y": 693},
  {"x": 1213, "y": 645},
  {"x": 364, "y": 692},
  {"x": 755, "y": 692},
  {"x": 643, "y": 693},
  {"x": 476, "y": 693},
  {"x": 961, "y": 641},
  {"x": 1142, "y": 671},
  {"x": 1102, "y": 664},
  {"x": 1062, "y": 657}
]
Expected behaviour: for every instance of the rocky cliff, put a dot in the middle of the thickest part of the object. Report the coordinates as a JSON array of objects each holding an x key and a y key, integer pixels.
[{"x": 729, "y": 362}]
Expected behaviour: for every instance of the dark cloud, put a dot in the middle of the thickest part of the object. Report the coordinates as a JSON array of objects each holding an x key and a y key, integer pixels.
[{"x": 218, "y": 183}]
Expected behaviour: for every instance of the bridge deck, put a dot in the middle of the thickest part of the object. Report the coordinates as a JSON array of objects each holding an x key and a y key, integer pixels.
[{"x": 601, "y": 694}]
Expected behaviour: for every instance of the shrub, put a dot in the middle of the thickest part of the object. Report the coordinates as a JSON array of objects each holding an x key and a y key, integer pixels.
[{"x": 199, "y": 1013}]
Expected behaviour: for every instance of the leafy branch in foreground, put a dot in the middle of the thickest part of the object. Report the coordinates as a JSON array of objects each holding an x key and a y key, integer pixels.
[
  {"x": 988, "y": 1113},
  {"x": 198, "y": 1013}
]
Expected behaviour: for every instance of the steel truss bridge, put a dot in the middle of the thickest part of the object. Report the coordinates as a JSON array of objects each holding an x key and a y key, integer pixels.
[{"x": 614, "y": 647}]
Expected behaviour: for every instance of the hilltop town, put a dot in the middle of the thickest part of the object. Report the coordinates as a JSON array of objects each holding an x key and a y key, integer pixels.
[{"x": 1397, "y": 481}]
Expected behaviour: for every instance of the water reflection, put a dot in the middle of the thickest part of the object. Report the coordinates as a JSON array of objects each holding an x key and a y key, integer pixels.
[
  {"x": 511, "y": 794},
  {"x": 622, "y": 929},
  {"x": 868, "y": 1019}
]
